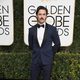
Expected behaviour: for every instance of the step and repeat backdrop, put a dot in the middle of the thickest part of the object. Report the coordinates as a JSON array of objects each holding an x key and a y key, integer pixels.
[
  {"x": 6, "y": 22},
  {"x": 60, "y": 15}
]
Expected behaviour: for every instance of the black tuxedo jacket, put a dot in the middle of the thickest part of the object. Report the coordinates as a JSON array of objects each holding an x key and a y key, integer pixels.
[{"x": 46, "y": 51}]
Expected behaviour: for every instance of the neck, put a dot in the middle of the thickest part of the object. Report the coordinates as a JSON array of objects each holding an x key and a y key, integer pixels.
[{"x": 41, "y": 23}]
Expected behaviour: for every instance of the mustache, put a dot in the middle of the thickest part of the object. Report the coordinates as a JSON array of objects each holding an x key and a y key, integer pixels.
[{"x": 41, "y": 18}]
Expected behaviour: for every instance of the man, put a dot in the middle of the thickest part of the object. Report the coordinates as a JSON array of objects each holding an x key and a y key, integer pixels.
[{"x": 41, "y": 37}]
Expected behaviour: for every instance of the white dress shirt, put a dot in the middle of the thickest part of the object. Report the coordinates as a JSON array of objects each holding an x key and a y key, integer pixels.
[{"x": 40, "y": 34}]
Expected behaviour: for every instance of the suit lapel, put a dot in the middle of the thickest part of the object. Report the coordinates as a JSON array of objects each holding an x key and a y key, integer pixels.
[
  {"x": 45, "y": 35},
  {"x": 35, "y": 34}
]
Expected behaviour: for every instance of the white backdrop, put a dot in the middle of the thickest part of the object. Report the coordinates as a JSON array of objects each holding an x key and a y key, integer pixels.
[
  {"x": 60, "y": 15},
  {"x": 6, "y": 22}
]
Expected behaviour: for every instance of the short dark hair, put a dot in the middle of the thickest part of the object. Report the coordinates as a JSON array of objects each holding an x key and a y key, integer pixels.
[{"x": 41, "y": 7}]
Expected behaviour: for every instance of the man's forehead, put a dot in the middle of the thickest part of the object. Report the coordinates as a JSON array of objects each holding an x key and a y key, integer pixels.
[{"x": 42, "y": 11}]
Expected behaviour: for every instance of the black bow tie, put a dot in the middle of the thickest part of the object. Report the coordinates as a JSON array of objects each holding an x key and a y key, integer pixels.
[{"x": 40, "y": 26}]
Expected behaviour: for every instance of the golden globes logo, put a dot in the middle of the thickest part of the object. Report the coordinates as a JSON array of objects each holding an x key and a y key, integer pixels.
[
  {"x": 6, "y": 22},
  {"x": 60, "y": 14}
]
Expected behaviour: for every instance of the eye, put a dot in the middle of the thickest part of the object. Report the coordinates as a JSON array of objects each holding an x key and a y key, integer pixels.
[
  {"x": 40, "y": 14},
  {"x": 44, "y": 14}
]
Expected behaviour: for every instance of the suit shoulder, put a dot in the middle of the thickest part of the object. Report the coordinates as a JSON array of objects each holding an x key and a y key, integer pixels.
[
  {"x": 32, "y": 27},
  {"x": 51, "y": 26}
]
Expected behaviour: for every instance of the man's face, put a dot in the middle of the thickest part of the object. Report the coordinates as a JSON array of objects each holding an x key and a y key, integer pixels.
[{"x": 41, "y": 16}]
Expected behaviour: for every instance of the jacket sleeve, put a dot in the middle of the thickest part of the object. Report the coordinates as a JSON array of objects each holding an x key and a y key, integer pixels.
[
  {"x": 30, "y": 39},
  {"x": 56, "y": 40}
]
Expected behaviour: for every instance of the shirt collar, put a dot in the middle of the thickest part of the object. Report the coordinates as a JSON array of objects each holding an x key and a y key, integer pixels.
[{"x": 43, "y": 24}]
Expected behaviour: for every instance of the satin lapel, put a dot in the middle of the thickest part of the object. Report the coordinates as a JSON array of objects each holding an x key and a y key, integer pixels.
[
  {"x": 45, "y": 35},
  {"x": 35, "y": 35}
]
